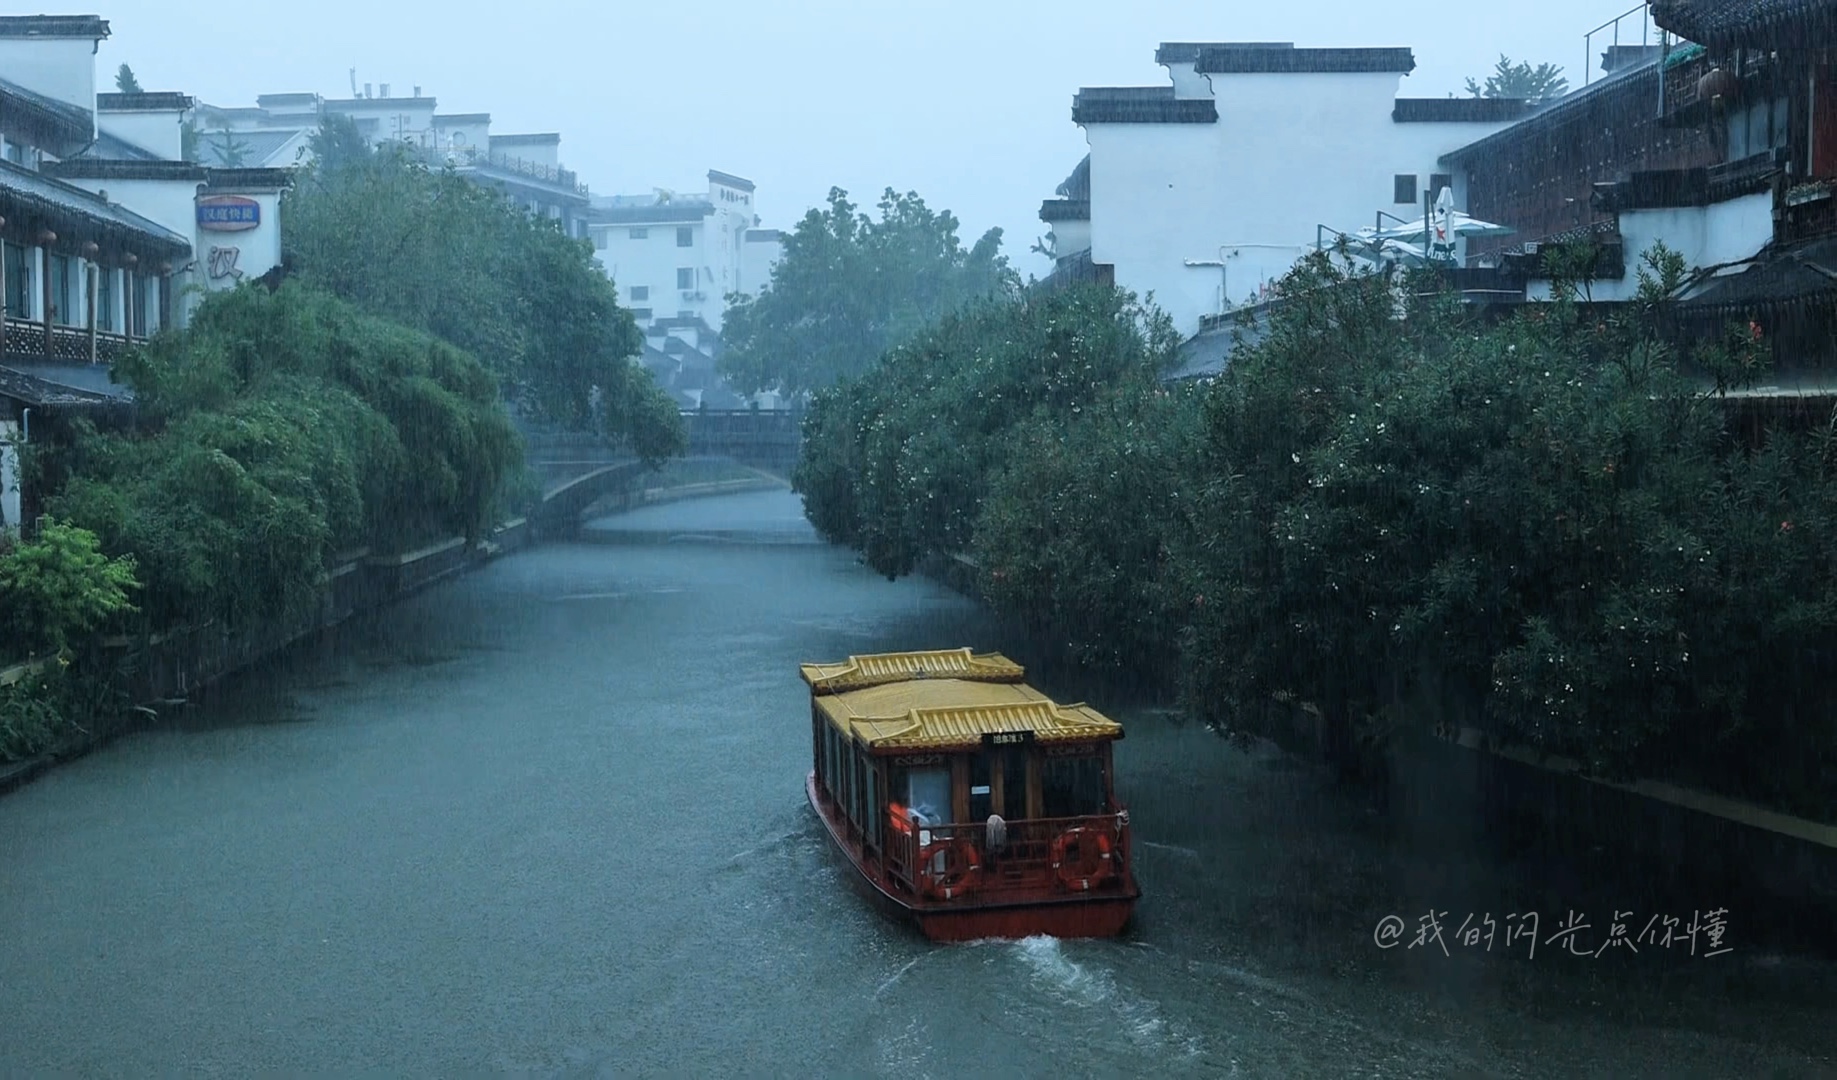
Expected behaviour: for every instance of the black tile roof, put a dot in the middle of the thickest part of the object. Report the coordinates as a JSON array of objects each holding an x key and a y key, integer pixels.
[
  {"x": 1793, "y": 276},
  {"x": 1078, "y": 184},
  {"x": 76, "y": 26},
  {"x": 541, "y": 139},
  {"x": 730, "y": 180},
  {"x": 1187, "y": 52},
  {"x": 88, "y": 168},
  {"x": 1639, "y": 78},
  {"x": 1139, "y": 105},
  {"x": 42, "y": 386},
  {"x": 684, "y": 213},
  {"x": 1065, "y": 210},
  {"x": 112, "y": 148},
  {"x": 1467, "y": 110},
  {"x": 249, "y": 179},
  {"x": 1782, "y": 23},
  {"x": 157, "y": 101},
  {"x": 303, "y": 98},
  {"x": 1293, "y": 61},
  {"x": 67, "y": 127},
  {"x": 23, "y": 192}
]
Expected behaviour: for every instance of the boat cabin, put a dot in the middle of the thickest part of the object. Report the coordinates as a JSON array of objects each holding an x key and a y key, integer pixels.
[{"x": 948, "y": 780}]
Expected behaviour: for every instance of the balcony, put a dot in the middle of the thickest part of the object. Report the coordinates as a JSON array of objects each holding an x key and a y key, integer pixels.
[
  {"x": 24, "y": 340},
  {"x": 1686, "y": 97}
]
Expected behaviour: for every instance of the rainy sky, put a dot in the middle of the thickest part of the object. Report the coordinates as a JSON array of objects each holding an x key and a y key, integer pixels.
[{"x": 966, "y": 101}]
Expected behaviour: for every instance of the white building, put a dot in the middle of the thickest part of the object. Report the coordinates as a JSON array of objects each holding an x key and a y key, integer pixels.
[
  {"x": 679, "y": 256},
  {"x": 278, "y": 132},
  {"x": 102, "y": 227},
  {"x": 1205, "y": 191}
]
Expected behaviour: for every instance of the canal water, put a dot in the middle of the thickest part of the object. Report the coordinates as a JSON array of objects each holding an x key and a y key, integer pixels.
[{"x": 550, "y": 818}]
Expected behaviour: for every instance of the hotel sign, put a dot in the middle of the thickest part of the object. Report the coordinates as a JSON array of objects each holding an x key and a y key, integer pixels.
[{"x": 228, "y": 213}]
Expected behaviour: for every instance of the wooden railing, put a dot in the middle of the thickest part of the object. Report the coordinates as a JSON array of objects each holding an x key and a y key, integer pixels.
[
  {"x": 67, "y": 343},
  {"x": 1022, "y": 862}
]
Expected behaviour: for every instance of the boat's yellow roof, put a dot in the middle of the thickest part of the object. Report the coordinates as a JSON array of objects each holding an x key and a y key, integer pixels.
[
  {"x": 932, "y": 713},
  {"x": 876, "y": 669}
]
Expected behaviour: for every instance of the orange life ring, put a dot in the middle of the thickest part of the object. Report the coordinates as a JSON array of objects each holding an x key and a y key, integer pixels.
[
  {"x": 962, "y": 869},
  {"x": 1094, "y": 864}
]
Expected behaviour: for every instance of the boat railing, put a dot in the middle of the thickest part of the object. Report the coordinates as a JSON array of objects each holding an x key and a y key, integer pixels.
[{"x": 1020, "y": 856}]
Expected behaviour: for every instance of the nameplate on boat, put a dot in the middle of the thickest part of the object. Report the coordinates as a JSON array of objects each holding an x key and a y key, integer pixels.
[{"x": 1007, "y": 738}]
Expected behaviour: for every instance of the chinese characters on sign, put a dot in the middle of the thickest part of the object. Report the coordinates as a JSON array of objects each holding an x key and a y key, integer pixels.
[
  {"x": 1701, "y": 936},
  {"x": 228, "y": 213},
  {"x": 223, "y": 263}
]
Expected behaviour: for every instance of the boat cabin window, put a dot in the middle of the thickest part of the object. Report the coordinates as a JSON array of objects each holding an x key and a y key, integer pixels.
[
  {"x": 1072, "y": 786},
  {"x": 872, "y": 817},
  {"x": 928, "y": 795}
]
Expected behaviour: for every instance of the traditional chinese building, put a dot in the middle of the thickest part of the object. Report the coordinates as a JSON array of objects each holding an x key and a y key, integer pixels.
[{"x": 102, "y": 229}]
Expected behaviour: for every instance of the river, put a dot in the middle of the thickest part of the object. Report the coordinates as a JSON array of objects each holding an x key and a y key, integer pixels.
[{"x": 550, "y": 817}]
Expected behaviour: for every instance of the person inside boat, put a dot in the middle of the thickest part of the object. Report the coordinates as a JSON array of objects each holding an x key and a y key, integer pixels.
[{"x": 928, "y": 796}]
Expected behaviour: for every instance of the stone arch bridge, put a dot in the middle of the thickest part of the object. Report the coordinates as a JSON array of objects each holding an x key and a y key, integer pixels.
[{"x": 580, "y": 470}]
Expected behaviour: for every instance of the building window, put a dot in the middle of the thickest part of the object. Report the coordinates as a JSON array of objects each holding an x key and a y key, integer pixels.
[
  {"x": 640, "y": 234},
  {"x": 642, "y": 314},
  {"x": 63, "y": 311},
  {"x": 137, "y": 301},
  {"x": 599, "y": 239},
  {"x": 1439, "y": 182},
  {"x": 685, "y": 278},
  {"x": 1405, "y": 188},
  {"x": 640, "y": 292},
  {"x": 685, "y": 236},
  {"x": 18, "y": 283},
  {"x": 105, "y": 299}
]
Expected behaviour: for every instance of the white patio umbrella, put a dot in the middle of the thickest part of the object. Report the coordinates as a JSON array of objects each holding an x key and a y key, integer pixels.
[{"x": 1446, "y": 221}]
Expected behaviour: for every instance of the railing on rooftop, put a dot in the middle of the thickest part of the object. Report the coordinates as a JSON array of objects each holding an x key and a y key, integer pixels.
[
  {"x": 1616, "y": 32},
  {"x": 472, "y": 156}
]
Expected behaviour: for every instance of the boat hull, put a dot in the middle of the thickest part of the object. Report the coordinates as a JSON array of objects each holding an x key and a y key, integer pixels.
[{"x": 1060, "y": 917}]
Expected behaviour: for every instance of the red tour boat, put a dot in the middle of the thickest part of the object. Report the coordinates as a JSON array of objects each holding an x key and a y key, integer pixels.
[{"x": 968, "y": 800}]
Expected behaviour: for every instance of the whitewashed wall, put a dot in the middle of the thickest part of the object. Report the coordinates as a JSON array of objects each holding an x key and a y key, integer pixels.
[
  {"x": 1704, "y": 235},
  {"x": 757, "y": 260},
  {"x": 10, "y": 508},
  {"x": 542, "y": 152},
  {"x": 60, "y": 68},
  {"x": 1290, "y": 152},
  {"x": 158, "y": 131}
]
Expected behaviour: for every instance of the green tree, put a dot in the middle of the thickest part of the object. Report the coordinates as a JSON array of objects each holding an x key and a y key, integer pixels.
[
  {"x": 437, "y": 252},
  {"x": 286, "y": 427},
  {"x": 126, "y": 82},
  {"x": 232, "y": 152},
  {"x": 338, "y": 143},
  {"x": 897, "y": 462},
  {"x": 1521, "y": 81},
  {"x": 849, "y": 288},
  {"x": 59, "y": 586}
]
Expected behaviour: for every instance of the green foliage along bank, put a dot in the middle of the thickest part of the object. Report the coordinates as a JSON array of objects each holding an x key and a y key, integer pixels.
[
  {"x": 849, "y": 287},
  {"x": 429, "y": 249},
  {"x": 280, "y": 429},
  {"x": 1537, "y": 519}
]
